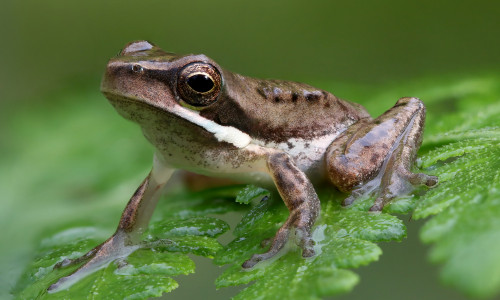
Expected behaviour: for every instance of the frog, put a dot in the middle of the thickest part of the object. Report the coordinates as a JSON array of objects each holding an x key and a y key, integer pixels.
[{"x": 281, "y": 135}]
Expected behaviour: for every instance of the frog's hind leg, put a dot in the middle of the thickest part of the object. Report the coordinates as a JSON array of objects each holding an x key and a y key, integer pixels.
[
  {"x": 376, "y": 156},
  {"x": 126, "y": 239}
]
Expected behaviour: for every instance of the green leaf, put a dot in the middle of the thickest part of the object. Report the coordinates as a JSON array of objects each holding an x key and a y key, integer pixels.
[
  {"x": 145, "y": 273},
  {"x": 183, "y": 203},
  {"x": 197, "y": 226},
  {"x": 344, "y": 239},
  {"x": 250, "y": 192},
  {"x": 466, "y": 228}
]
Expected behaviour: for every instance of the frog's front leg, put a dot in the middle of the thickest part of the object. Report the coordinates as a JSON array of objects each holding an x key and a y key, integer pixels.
[
  {"x": 302, "y": 201},
  {"x": 375, "y": 156},
  {"x": 126, "y": 239}
]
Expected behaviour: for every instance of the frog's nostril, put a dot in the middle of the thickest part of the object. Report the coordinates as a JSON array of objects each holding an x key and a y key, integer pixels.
[
  {"x": 136, "y": 46},
  {"x": 136, "y": 68}
]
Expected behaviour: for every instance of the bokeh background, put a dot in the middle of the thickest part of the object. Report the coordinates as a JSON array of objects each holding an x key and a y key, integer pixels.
[{"x": 53, "y": 53}]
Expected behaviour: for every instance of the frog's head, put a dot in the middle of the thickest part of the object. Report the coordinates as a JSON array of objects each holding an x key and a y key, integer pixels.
[
  {"x": 145, "y": 83},
  {"x": 143, "y": 73}
]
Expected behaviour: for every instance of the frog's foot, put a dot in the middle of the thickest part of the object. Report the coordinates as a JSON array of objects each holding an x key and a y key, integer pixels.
[
  {"x": 295, "y": 223},
  {"x": 74, "y": 261},
  {"x": 116, "y": 247},
  {"x": 390, "y": 183},
  {"x": 398, "y": 182}
]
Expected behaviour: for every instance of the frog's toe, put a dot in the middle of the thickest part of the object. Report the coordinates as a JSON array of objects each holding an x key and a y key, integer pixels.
[
  {"x": 378, "y": 205},
  {"x": 400, "y": 182},
  {"x": 70, "y": 262},
  {"x": 431, "y": 181},
  {"x": 420, "y": 178},
  {"x": 255, "y": 259},
  {"x": 348, "y": 201},
  {"x": 64, "y": 263},
  {"x": 278, "y": 242},
  {"x": 308, "y": 252},
  {"x": 305, "y": 241},
  {"x": 121, "y": 263}
]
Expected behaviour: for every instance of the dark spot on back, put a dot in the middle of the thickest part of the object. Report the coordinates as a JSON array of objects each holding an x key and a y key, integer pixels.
[
  {"x": 295, "y": 96},
  {"x": 277, "y": 99},
  {"x": 312, "y": 96},
  {"x": 290, "y": 145},
  {"x": 374, "y": 158},
  {"x": 327, "y": 104}
]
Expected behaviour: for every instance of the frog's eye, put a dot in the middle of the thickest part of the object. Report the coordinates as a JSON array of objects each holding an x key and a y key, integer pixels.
[{"x": 199, "y": 84}]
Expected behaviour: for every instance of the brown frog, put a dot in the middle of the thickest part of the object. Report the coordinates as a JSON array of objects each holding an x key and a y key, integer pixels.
[{"x": 272, "y": 133}]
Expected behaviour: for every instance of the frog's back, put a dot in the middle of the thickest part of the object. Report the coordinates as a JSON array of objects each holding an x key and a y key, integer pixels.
[{"x": 276, "y": 110}]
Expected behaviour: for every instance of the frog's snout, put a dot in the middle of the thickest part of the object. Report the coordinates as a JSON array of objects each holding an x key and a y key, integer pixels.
[{"x": 108, "y": 82}]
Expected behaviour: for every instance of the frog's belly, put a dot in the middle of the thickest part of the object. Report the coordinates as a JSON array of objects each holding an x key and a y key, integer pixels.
[
  {"x": 245, "y": 165},
  {"x": 309, "y": 155},
  {"x": 249, "y": 164}
]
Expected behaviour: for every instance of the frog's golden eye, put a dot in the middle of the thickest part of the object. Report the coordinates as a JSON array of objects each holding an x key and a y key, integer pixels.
[{"x": 199, "y": 84}]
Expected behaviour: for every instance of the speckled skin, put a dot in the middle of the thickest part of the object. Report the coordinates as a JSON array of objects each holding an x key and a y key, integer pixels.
[{"x": 269, "y": 132}]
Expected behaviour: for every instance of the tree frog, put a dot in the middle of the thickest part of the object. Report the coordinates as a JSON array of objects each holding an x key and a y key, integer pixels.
[{"x": 271, "y": 133}]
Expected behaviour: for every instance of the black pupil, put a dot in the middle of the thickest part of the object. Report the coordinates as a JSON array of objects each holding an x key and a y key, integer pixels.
[{"x": 200, "y": 83}]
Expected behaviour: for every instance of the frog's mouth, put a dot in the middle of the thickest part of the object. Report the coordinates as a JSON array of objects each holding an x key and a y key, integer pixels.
[
  {"x": 127, "y": 106},
  {"x": 119, "y": 97},
  {"x": 121, "y": 100},
  {"x": 135, "y": 109}
]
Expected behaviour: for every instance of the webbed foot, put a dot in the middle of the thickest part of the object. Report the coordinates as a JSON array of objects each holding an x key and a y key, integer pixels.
[
  {"x": 400, "y": 181},
  {"x": 116, "y": 247},
  {"x": 294, "y": 224},
  {"x": 389, "y": 184}
]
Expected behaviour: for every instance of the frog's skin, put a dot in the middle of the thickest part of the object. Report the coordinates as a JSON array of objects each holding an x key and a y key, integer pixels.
[{"x": 209, "y": 121}]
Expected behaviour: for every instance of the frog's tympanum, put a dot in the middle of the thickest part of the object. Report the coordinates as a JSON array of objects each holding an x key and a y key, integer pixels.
[{"x": 271, "y": 133}]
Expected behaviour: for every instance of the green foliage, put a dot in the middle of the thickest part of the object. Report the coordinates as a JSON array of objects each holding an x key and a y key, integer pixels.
[
  {"x": 250, "y": 192},
  {"x": 467, "y": 229},
  {"x": 147, "y": 272},
  {"x": 461, "y": 146},
  {"x": 344, "y": 239}
]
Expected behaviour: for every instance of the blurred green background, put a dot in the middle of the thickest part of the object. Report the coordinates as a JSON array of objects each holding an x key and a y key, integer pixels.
[{"x": 53, "y": 53}]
